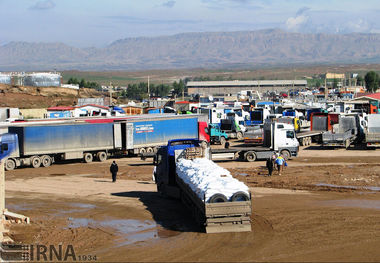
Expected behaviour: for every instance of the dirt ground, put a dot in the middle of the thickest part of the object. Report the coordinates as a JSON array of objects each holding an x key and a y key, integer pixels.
[{"x": 325, "y": 207}]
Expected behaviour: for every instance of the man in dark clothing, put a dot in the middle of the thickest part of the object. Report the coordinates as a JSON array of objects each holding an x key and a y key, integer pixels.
[
  {"x": 114, "y": 169},
  {"x": 270, "y": 166}
]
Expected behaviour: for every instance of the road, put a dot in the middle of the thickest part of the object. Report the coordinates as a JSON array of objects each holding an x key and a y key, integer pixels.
[{"x": 325, "y": 207}]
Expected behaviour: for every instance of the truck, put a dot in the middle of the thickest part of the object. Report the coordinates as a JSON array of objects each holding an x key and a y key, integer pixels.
[
  {"x": 43, "y": 143},
  {"x": 254, "y": 134},
  {"x": 231, "y": 128},
  {"x": 343, "y": 133},
  {"x": 218, "y": 215},
  {"x": 217, "y": 135},
  {"x": 372, "y": 131},
  {"x": 278, "y": 137}
]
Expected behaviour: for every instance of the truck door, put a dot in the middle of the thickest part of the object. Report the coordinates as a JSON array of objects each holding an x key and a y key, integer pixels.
[{"x": 129, "y": 136}]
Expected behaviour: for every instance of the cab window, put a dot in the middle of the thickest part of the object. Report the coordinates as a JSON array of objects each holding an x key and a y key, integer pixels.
[{"x": 290, "y": 134}]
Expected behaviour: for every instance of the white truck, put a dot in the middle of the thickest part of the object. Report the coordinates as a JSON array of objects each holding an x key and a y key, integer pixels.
[
  {"x": 372, "y": 131},
  {"x": 278, "y": 137}
]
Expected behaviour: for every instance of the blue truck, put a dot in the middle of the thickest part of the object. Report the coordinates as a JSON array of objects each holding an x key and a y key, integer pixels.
[{"x": 43, "y": 143}]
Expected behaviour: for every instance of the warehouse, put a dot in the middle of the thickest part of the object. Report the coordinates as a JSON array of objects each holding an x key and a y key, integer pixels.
[{"x": 229, "y": 88}]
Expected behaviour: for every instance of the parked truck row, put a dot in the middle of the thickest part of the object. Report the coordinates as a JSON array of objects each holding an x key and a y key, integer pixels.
[{"x": 42, "y": 143}]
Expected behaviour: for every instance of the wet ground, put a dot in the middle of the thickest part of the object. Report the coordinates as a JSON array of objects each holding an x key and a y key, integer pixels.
[{"x": 325, "y": 207}]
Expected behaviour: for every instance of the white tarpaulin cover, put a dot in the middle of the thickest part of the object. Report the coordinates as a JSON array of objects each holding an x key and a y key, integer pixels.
[{"x": 206, "y": 178}]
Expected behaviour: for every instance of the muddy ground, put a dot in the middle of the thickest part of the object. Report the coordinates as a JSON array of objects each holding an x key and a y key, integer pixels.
[{"x": 325, "y": 207}]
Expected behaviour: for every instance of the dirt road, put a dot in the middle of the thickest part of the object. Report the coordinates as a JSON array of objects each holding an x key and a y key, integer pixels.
[{"x": 325, "y": 207}]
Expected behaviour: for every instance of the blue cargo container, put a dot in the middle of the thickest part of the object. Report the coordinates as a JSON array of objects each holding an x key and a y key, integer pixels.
[{"x": 148, "y": 133}]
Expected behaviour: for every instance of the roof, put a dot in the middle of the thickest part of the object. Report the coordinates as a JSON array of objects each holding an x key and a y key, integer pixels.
[
  {"x": 182, "y": 102},
  {"x": 60, "y": 108},
  {"x": 244, "y": 83},
  {"x": 371, "y": 96},
  {"x": 94, "y": 105}
]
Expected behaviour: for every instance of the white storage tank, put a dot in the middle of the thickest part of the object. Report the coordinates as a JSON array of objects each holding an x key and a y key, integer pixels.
[
  {"x": 43, "y": 80},
  {"x": 5, "y": 79}
]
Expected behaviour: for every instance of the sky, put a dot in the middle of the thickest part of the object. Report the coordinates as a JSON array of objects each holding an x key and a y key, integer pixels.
[{"x": 97, "y": 23}]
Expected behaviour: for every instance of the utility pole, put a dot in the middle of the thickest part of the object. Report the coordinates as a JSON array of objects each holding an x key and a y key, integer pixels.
[
  {"x": 148, "y": 89},
  {"x": 110, "y": 91}
]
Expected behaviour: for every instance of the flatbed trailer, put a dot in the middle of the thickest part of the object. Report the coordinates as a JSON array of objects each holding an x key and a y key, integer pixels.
[
  {"x": 214, "y": 217},
  {"x": 305, "y": 138}
]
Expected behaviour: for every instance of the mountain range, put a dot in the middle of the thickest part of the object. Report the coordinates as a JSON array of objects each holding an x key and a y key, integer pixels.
[{"x": 196, "y": 50}]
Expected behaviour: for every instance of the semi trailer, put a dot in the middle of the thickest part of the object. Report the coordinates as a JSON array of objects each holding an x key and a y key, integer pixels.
[
  {"x": 343, "y": 133},
  {"x": 216, "y": 213},
  {"x": 46, "y": 142}
]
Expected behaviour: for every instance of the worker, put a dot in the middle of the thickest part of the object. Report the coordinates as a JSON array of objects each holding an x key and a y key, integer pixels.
[
  {"x": 280, "y": 164},
  {"x": 270, "y": 164},
  {"x": 114, "y": 169}
]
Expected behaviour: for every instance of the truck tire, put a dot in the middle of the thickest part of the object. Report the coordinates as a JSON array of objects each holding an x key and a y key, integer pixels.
[
  {"x": 222, "y": 141},
  {"x": 46, "y": 160},
  {"x": 10, "y": 165},
  {"x": 218, "y": 198},
  {"x": 239, "y": 136},
  {"x": 35, "y": 161},
  {"x": 101, "y": 156},
  {"x": 347, "y": 144},
  {"x": 308, "y": 140},
  {"x": 303, "y": 142},
  {"x": 286, "y": 154},
  {"x": 87, "y": 157},
  {"x": 250, "y": 156},
  {"x": 142, "y": 151},
  {"x": 149, "y": 150},
  {"x": 239, "y": 197}
]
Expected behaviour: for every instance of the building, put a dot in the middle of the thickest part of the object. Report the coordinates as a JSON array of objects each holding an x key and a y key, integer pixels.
[
  {"x": 334, "y": 76},
  {"x": 229, "y": 88}
]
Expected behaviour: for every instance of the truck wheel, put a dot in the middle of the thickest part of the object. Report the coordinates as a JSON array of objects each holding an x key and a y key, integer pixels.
[
  {"x": 35, "y": 161},
  {"x": 149, "y": 150},
  {"x": 239, "y": 197},
  {"x": 286, "y": 154},
  {"x": 308, "y": 140},
  {"x": 218, "y": 198},
  {"x": 46, "y": 160},
  {"x": 10, "y": 165},
  {"x": 347, "y": 144},
  {"x": 250, "y": 156},
  {"x": 142, "y": 151},
  {"x": 87, "y": 157},
  {"x": 239, "y": 136},
  {"x": 222, "y": 141},
  {"x": 303, "y": 142},
  {"x": 101, "y": 156}
]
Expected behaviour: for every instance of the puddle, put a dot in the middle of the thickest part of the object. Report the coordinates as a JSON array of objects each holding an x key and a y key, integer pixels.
[
  {"x": 130, "y": 231},
  {"x": 83, "y": 205},
  {"x": 371, "y": 188},
  {"x": 15, "y": 207},
  {"x": 243, "y": 174},
  {"x": 368, "y": 204}
]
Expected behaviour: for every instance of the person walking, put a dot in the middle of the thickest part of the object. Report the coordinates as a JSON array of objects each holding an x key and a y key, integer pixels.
[
  {"x": 270, "y": 166},
  {"x": 114, "y": 169}
]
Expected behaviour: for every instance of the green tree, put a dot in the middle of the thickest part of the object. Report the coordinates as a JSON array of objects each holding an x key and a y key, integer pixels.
[
  {"x": 360, "y": 80},
  {"x": 82, "y": 83},
  {"x": 318, "y": 84},
  {"x": 371, "y": 81},
  {"x": 335, "y": 83},
  {"x": 178, "y": 88}
]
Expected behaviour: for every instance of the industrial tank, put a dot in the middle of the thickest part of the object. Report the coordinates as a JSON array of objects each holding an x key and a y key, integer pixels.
[{"x": 42, "y": 80}]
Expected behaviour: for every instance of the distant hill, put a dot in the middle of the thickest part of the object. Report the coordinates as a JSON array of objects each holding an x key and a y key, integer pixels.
[{"x": 195, "y": 50}]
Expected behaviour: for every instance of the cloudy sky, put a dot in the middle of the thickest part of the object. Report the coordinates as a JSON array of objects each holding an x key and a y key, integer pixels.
[{"x": 86, "y": 23}]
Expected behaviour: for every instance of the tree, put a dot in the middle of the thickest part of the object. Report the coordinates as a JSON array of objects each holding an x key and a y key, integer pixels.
[
  {"x": 335, "y": 83},
  {"x": 360, "y": 80},
  {"x": 318, "y": 84},
  {"x": 178, "y": 88},
  {"x": 82, "y": 83},
  {"x": 371, "y": 81}
]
